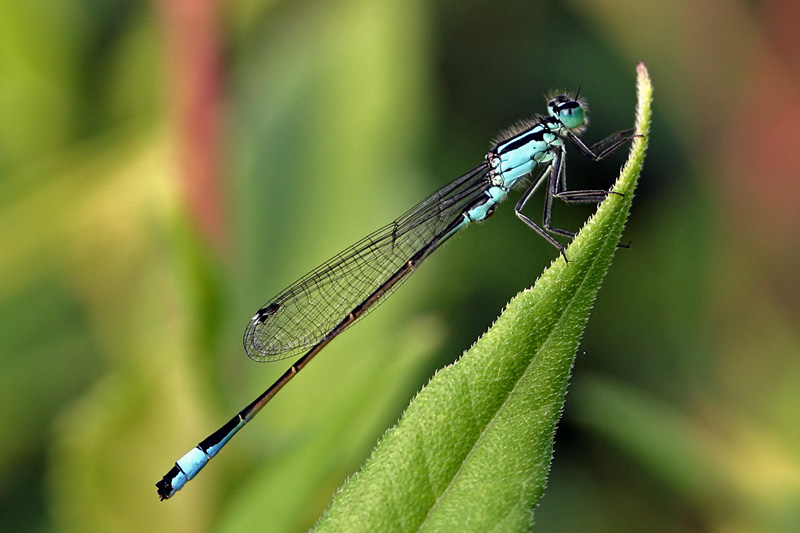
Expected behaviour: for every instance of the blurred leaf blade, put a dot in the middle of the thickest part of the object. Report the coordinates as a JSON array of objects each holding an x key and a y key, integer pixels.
[{"x": 473, "y": 449}]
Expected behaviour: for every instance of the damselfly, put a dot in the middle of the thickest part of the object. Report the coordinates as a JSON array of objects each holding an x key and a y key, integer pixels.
[{"x": 311, "y": 312}]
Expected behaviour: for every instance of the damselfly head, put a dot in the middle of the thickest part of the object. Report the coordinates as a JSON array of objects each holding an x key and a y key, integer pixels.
[{"x": 570, "y": 111}]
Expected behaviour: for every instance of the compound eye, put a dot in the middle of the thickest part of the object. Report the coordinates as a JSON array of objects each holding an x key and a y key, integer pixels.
[{"x": 571, "y": 114}]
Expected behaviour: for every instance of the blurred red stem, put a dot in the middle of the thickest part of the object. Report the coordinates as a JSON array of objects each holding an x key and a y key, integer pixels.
[{"x": 195, "y": 66}]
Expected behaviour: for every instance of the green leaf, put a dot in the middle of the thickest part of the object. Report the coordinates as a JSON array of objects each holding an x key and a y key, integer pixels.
[{"x": 473, "y": 449}]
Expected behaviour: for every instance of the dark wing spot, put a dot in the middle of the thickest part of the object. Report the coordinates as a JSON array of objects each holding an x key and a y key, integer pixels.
[{"x": 265, "y": 312}]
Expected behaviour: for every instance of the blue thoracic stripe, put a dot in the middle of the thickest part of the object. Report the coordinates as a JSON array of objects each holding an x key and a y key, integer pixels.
[
  {"x": 308, "y": 314},
  {"x": 516, "y": 157},
  {"x": 535, "y": 134}
]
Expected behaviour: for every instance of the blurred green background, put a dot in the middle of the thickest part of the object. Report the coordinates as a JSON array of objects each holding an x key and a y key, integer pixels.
[{"x": 166, "y": 167}]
